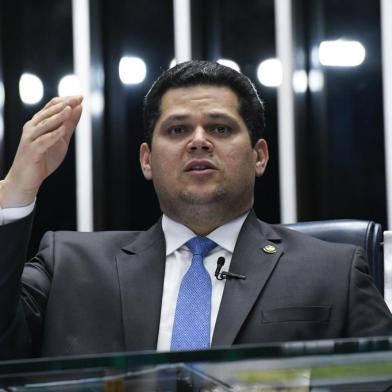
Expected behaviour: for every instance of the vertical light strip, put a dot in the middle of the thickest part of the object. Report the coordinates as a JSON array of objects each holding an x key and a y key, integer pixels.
[
  {"x": 2, "y": 98},
  {"x": 386, "y": 42},
  {"x": 182, "y": 30},
  {"x": 286, "y": 126},
  {"x": 386, "y": 50},
  {"x": 388, "y": 268},
  {"x": 83, "y": 141}
]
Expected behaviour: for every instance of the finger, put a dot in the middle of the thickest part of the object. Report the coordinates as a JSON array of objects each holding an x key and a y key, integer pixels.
[
  {"x": 70, "y": 124},
  {"x": 53, "y": 101},
  {"x": 44, "y": 142},
  {"x": 72, "y": 100},
  {"x": 68, "y": 118},
  {"x": 50, "y": 124},
  {"x": 74, "y": 117},
  {"x": 47, "y": 112}
]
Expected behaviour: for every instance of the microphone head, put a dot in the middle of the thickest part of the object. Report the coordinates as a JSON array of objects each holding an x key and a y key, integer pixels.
[
  {"x": 219, "y": 265},
  {"x": 221, "y": 261}
]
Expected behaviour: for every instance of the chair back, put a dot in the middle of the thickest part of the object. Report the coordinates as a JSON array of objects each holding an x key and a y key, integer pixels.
[{"x": 367, "y": 234}]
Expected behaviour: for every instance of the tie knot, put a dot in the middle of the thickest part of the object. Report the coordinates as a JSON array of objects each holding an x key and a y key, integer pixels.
[{"x": 200, "y": 245}]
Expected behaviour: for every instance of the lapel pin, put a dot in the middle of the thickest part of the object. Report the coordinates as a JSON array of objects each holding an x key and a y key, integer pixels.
[{"x": 269, "y": 249}]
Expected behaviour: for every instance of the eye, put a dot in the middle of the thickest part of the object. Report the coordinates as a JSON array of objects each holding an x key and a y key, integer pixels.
[
  {"x": 221, "y": 129},
  {"x": 177, "y": 130}
]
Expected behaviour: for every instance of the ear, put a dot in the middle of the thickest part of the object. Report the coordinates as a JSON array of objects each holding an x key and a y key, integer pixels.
[
  {"x": 145, "y": 161},
  {"x": 262, "y": 156}
]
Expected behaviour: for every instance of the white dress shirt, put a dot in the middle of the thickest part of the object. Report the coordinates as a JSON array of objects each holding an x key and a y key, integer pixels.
[
  {"x": 178, "y": 261},
  {"x": 8, "y": 215}
]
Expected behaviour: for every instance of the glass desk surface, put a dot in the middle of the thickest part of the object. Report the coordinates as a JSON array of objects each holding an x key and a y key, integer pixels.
[{"x": 363, "y": 364}]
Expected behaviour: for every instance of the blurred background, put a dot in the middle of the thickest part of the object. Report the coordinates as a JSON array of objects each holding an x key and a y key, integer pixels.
[{"x": 336, "y": 99}]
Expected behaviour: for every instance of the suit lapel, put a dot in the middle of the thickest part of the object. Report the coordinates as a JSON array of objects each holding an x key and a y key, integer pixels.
[
  {"x": 251, "y": 260},
  {"x": 141, "y": 268}
]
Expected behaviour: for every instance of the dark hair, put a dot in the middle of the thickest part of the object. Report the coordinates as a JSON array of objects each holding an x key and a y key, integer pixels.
[{"x": 194, "y": 73}]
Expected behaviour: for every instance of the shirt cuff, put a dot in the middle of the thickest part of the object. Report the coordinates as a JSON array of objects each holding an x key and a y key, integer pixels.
[{"x": 9, "y": 215}]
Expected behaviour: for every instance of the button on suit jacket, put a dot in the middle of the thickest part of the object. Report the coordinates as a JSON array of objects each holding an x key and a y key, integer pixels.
[{"x": 101, "y": 292}]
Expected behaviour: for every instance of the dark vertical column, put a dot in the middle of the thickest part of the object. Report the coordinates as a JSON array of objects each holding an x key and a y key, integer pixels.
[
  {"x": 129, "y": 29},
  {"x": 116, "y": 168},
  {"x": 311, "y": 132},
  {"x": 317, "y": 130},
  {"x": 206, "y": 29},
  {"x": 301, "y": 64}
]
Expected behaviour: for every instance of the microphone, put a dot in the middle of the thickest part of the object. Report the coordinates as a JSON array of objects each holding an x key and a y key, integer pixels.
[
  {"x": 225, "y": 274},
  {"x": 219, "y": 265}
]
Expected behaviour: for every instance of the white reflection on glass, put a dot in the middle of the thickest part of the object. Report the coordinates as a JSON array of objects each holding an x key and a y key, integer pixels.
[
  {"x": 341, "y": 53},
  {"x": 300, "y": 81},
  {"x": 69, "y": 85},
  {"x": 2, "y": 95},
  {"x": 173, "y": 63},
  {"x": 269, "y": 73},
  {"x": 1, "y": 128},
  {"x": 316, "y": 80},
  {"x": 229, "y": 63},
  {"x": 97, "y": 103},
  {"x": 2, "y": 98},
  {"x": 314, "y": 56},
  {"x": 132, "y": 70},
  {"x": 31, "y": 89}
]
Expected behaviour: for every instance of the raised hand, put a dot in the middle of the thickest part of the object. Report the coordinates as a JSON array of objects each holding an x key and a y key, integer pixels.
[{"x": 42, "y": 148}]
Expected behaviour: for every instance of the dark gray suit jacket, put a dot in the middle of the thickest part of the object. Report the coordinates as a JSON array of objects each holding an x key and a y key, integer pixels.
[{"x": 101, "y": 292}]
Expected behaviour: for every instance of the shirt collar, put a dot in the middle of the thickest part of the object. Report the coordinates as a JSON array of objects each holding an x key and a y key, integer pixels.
[{"x": 176, "y": 234}]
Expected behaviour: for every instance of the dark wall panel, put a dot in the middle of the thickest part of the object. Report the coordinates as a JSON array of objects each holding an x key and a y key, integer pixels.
[
  {"x": 340, "y": 140},
  {"x": 131, "y": 29}
]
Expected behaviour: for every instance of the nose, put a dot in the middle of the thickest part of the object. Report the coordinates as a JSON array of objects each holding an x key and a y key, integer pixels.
[{"x": 199, "y": 141}]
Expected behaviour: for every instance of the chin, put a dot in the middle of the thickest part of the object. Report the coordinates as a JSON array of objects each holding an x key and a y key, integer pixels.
[{"x": 203, "y": 198}]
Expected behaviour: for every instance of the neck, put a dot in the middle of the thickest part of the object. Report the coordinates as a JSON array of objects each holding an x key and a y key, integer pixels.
[{"x": 203, "y": 220}]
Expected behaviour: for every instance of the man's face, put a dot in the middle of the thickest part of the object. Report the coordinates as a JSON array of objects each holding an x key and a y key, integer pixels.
[{"x": 201, "y": 152}]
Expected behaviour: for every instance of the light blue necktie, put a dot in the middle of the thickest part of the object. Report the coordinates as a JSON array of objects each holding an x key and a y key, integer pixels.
[{"x": 191, "y": 329}]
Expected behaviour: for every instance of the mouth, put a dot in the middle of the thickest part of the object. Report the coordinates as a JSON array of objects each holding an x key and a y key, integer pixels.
[{"x": 200, "y": 167}]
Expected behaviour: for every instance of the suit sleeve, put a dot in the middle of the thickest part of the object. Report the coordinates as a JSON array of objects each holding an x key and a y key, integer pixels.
[
  {"x": 368, "y": 314},
  {"x": 23, "y": 292}
]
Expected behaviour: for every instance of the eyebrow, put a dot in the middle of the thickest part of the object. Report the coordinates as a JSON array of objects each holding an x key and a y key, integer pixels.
[
  {"x": 223, "y": 116},
  {"x": 184, "y": 117}
]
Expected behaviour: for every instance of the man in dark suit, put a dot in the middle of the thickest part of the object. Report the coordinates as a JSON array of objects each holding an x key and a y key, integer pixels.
[{"x": 115, "y": 291}]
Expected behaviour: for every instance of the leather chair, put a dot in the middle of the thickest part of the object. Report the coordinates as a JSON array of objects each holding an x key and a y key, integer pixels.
[{"x": 367, "y": 234}]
